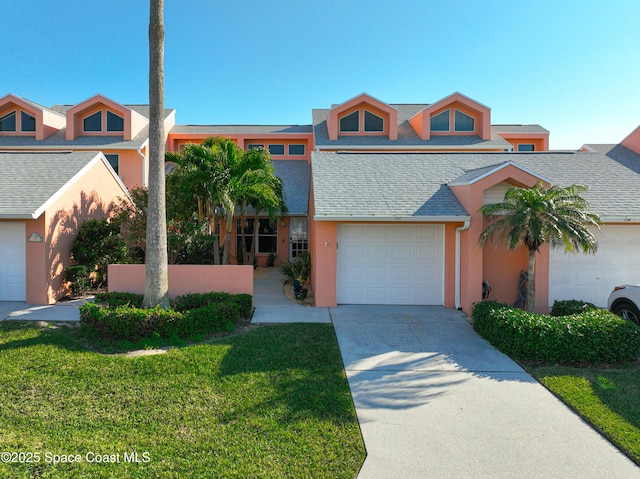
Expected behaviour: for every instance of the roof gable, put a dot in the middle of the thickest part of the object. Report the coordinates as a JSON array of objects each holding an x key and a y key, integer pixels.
[
  {"x": 134, "y": 122},
  {"x": 421, "y": 122},
  {"x": 47, "y": 121},
  {"x": 362, "y": 101},
  {"x": 633, "y": 141}
]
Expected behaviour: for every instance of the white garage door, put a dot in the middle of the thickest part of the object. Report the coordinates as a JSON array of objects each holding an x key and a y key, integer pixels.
[
  {"x": 591, "y": 278},
  {"x": 390, "y": 264},
  {"x": 13, "y": 267}
]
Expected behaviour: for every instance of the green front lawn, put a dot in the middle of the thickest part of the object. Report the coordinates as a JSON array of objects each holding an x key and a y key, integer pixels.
[
  {"x": 270, "y": 402},
  {"x": 609, "y": 399}
]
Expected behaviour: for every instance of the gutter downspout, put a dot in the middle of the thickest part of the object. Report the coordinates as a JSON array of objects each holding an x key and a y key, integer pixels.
[
  {"x": 144, "y": 166},
  {"x": 464, "y": 227}
]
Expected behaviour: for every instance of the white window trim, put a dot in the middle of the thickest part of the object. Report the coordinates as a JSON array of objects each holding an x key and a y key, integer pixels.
[
  {"x": 106, "y": 121},
  {"x": 102, "y": 125},
  {"x": 532, "y": 145},
  {"x": 448, "y": 130},
  {"x": 284, "y": 149},
  {"x": 364, "y": 122},
  {"x": 304, "y": 149},
  {"x": 454, "y": 122},
  {"x": 15, "y": 112},
  {"x": 360, "y": 119}
]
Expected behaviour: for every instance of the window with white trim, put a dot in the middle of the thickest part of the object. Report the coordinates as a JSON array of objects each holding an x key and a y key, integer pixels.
[
  {"x": 8, "y": 122},
  {"x": 464, "y": 122},
  {"x": 93, "y": 122},
  {"x": 526, "y": 147},
  {"x": 113, "y": 161},
  {"x": 276, "y": 150},
  {"x": 351, "y": 122},
  {"x": 373, "y": 122},
  {"x": 114, "y": 122},
  {"x": 296, "y": 150},
  {"x": 253, "y": 146},
  {"x": 440, "y": 122},
  {"x": 27, "y": 122},
  {"x": 298, "y": 237}
]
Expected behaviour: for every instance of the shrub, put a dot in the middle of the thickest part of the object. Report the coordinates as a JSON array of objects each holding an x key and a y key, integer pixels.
[
  {"x": 299, "y": 267},
  {"x": 115, "y": 299},
  {"x": 595, "y": 336},
  {"x": 570, "y": 306},
  {"x": 198, "y": 300},
  {"x": 97, "y": 244},
  {"x": 78, "y": 277},
  {"x": 122, "y": 318},
  {"x": 201, "y": 300}
]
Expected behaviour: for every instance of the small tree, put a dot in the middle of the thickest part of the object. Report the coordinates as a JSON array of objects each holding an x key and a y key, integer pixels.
[
  {"x": 97, "y": 244},
  {"x": 534, "y": 216}
]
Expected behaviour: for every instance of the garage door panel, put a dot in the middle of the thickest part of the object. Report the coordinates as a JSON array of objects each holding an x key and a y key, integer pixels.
[
  {"x": 13, "y": 280},
  {"x": 592, "y": 277},
  {"x": 401, "y": 266}
]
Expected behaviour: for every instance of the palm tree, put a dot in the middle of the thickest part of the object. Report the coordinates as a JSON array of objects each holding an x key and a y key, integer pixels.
[
  {"x": 199, "y": 178},
  {"x": 534, "y": 216},
  {"x": 156, "y": 286}
]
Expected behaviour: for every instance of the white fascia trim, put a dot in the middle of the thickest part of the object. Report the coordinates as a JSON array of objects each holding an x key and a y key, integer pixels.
[
  {"x": 26, "y": 216},
  {"x": 498, "y": 168},
  {"x": 395, "y": 219},
  {"x": 71, "y": 148},
  {"x": 412, "y": 148}
]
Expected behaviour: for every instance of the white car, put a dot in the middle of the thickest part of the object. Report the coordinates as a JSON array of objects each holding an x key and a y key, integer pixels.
[{"x": 625, "y": 302}]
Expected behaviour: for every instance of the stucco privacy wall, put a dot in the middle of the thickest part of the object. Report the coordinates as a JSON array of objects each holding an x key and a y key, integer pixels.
[{"x": 185, "y": 278}]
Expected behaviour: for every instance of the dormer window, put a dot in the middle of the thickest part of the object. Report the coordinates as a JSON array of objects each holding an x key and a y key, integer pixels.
[
  {"x": 8, "y": 122},
  {"x": 93, "y": 122},
  {"x": 373, "y": 122},
  {"x": 27, "y": 122},
  {"x": 114, "y": 122},
  {"x": 440, "y": 122},
  {"x": 464, "y": 122},
  {"x": 461, "y": 122},
  {"x": 351, "y": 122}
]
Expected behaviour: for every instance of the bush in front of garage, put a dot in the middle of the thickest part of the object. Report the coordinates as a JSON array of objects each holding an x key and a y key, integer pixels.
[
  {"x": 595, "y": 336},
  {"x": 118, "y": 316},
  {"x": 568, "y": 307}
]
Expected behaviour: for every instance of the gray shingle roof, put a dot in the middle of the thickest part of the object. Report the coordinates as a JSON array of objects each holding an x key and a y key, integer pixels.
[
  {"x": 295, "y": 177},
  {"x": 30, "y": 179},
  {"x": 518, "y": 129},
  {"x": 240, "y": 129},
  {"x": 377, "y": 185}
]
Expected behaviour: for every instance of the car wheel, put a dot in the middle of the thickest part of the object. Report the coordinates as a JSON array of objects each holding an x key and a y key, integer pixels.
[{"x": 627, "y": 310}]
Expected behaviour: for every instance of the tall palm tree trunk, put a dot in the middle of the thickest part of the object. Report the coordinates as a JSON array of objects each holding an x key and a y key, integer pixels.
[
  {"x": 531, "y": 282},
  {"x": 156, "y": 285}
]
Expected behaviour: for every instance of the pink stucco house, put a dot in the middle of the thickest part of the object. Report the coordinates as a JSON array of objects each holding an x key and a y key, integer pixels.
[{"x": 385, "y": 196}]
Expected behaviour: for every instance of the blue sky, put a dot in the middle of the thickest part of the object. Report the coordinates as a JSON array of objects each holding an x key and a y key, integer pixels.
[{"x": 570, "y": 66}]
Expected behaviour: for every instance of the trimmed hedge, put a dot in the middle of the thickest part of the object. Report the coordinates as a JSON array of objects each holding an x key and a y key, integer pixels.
[
  {"x": 595, "y": 336},
  {"x": 115, "y": 299},
  {"x": 201, "y": 300},
  {"x": 570, "y": 306},
  {"x": 120, "y": 316}
]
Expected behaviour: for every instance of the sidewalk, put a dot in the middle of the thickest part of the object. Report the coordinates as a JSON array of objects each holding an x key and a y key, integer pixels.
[
  {"x": 272, "y": 306},
  {"x": 21, "y": 311}
]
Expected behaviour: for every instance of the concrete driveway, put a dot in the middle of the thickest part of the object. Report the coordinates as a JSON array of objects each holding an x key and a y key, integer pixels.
[{"x": 434, "y": 400}]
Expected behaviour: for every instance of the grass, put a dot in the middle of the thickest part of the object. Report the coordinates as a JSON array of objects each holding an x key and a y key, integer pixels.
[
  {"x": 270, "y": 402},
  {"x": 608, "y": 399}
]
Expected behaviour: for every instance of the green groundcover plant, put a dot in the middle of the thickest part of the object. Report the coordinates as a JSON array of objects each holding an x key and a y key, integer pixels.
[{"x": 595, "y": 336}]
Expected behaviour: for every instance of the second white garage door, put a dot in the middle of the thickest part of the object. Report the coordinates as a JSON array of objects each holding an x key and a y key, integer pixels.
[
  {"x": 390, "y": 264},
  {"x": 592, "y": 277}
]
